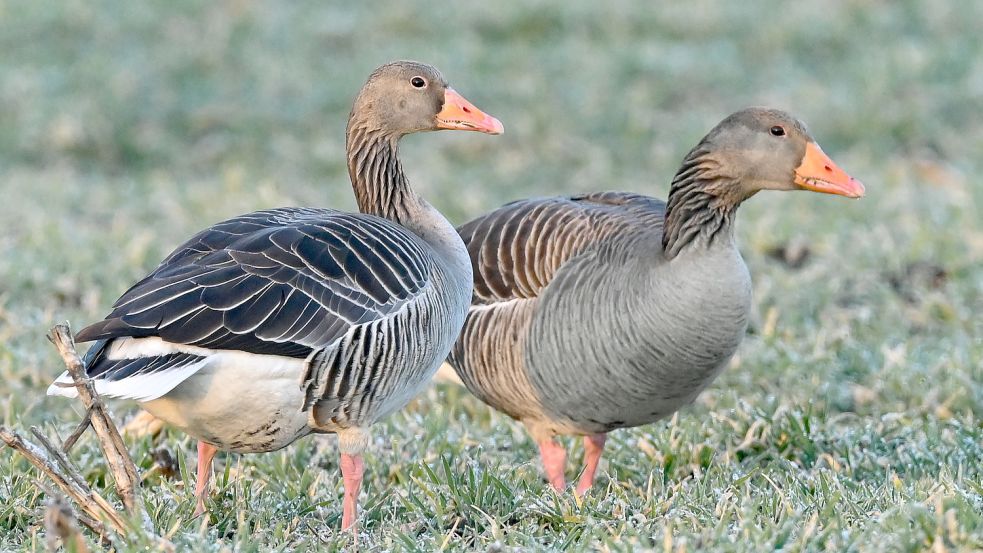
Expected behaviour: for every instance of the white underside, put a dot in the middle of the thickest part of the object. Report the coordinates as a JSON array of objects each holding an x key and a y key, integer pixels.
[{"x": 236, "y": 400}]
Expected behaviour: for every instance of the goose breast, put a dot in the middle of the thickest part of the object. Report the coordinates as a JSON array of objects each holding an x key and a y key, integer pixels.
[{"x": 621, "y": 341}]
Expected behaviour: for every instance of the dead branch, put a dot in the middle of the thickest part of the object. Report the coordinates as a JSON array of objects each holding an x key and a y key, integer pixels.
[
  {"x": 120, "y": 465},
  {"x": 55, "y": 464},
  {"x": 90, "y": 501},
  {"x": 67, "y": 468},
  {"x": 69, "y": 442},
  {"x": 87, "y": 521}
]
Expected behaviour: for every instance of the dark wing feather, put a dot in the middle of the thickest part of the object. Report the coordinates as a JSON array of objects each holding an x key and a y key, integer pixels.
[
  {"x": 118, "y": 369},
  {"x": 282, "y": 281},
  {"x": 517, "y": 249}
]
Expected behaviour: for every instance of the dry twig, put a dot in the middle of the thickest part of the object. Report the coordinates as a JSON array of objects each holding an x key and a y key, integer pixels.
[
  {"x": 86, "y": 520},
  {"x": 120, "y": 465},
  {"x": 70, "y": 482},
  {"x": 69, "y": 442},
  {"x": 53, "y": 461}
]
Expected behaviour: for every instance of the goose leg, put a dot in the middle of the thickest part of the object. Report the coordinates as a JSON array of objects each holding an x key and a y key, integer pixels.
[
  {"x": 351, "y": 443},
  {"x": 206, "y": 452},
  {"x": 593, "y": 447},
  {"x": 554, "y": 462},
  {"x": 352, "y": 469}
]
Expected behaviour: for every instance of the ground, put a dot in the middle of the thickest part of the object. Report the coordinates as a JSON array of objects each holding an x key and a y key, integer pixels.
[{"x": 850, "y": 420}]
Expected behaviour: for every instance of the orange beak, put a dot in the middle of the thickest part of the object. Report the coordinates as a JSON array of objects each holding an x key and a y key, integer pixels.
[
  {"x": 460, "y": 114},
  {"x": 818, "y": 173}
]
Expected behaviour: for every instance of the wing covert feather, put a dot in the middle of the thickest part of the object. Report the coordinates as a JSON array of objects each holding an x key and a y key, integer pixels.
[
  {"x": 517, "y": 249},
  {"x": 281, "y": 281}
]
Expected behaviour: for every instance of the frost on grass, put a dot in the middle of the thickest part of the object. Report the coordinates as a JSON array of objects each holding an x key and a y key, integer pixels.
[{"x": 850, "y": 419}]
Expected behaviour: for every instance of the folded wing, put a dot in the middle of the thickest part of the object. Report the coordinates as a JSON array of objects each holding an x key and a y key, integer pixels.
[{"x": 278, "y": 282}]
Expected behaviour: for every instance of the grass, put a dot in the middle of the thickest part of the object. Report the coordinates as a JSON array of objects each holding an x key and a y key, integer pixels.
[{"x": 851, "y": 417}]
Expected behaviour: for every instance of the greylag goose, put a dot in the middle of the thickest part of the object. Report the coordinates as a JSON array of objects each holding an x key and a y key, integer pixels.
[
  {"x": 269, "y": 326},
  {"x": 613, "y": 310}
]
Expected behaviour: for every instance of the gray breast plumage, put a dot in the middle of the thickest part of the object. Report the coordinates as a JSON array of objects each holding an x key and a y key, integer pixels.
[
  {"x": 379, "y": 366},
  {"x": 622, "y": 342}
]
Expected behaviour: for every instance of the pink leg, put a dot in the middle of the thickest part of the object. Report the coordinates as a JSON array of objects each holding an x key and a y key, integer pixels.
[
  {"x": 554, "y": 462},
  {"x": 593, "y": 447},
  {"x": 206, "y": 452},
  {"x": 351, "y": 474}
]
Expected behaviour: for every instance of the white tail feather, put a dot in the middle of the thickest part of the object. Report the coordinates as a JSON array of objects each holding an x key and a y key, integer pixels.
[{"x": 141, "y": 387}]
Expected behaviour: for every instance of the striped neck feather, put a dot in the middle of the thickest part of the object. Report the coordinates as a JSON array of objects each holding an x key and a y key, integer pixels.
[
  {"x": 701, "y": 206},
  {"x": 380, "y": 186}
]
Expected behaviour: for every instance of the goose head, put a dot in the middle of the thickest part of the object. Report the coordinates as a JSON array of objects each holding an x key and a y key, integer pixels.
[
  {"x": 769, "y": 149},
  {"x": 404, "y": 97}
]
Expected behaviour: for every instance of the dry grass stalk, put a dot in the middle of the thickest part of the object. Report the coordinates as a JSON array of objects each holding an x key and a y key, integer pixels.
[{"x": 53, "y": 461}]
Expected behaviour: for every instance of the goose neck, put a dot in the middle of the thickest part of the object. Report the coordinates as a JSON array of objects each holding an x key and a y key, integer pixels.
[
  {"x": 381, "y": 189},
  {"x": 702, "y": 201},
  {"x": 377, "y": 176}
]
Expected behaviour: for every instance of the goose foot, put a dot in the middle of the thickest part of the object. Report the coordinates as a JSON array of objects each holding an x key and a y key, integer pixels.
[
  {"x": 554, "y": 462},
  {"x": 352, "y": 469},
  {"x": 593, "y": 448},
  {"x": 206, "y": 452}
]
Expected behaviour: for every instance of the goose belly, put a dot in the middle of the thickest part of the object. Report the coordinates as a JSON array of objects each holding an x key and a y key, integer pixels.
[
  {"x": 619, "y": 390},
  {"x": 631, "y": 356},
  {"x": 239, "y": 402},
  {"x": 442, "y": 318}
]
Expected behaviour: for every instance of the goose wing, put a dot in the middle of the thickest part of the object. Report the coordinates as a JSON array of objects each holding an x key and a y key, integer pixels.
[
  {"x": 517, "y": 249},
  {"x": 280, "y": 282}
]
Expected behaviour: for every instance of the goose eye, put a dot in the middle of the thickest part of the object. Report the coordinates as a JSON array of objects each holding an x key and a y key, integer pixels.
[
  {"x": 778, "y": 130},
  {"x": 418, "y": 82}
]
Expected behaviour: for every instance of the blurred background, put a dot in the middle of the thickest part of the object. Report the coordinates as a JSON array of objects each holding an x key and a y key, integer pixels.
[{"x": 126, "y": 127}]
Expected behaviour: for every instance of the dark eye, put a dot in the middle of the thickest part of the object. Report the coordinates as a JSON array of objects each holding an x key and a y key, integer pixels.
[
  {"x": 418, "y": 82},
  {"x": 778, "y": 130}
]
